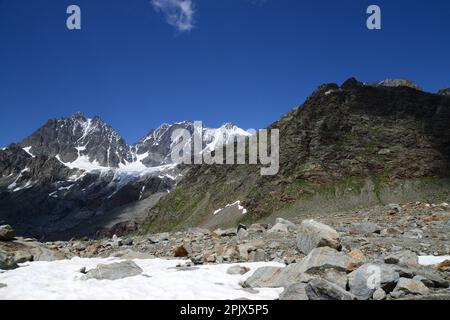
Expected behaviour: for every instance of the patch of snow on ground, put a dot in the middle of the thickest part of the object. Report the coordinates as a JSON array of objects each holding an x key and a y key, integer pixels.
[
  {"x": 61, "y": 280},
  {"x": 432, "y": 260},
  {"x": 237, "y": 203}
]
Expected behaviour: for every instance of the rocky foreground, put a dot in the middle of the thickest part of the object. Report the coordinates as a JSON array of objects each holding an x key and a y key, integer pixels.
[{"x": 385, "y": 252}]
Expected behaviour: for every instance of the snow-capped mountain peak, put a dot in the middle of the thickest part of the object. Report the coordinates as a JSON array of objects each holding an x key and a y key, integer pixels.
[
  {"x": 79, "y": 138},
  {"x": 89, "y": 144},
  {"x": 158, "y": 143}
]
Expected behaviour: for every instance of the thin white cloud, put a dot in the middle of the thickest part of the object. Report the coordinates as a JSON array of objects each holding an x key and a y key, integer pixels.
[{"x": 178, "y": 13}]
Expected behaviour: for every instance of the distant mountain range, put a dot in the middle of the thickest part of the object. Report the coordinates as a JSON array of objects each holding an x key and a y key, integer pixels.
[{"x": 69, "y": 174}]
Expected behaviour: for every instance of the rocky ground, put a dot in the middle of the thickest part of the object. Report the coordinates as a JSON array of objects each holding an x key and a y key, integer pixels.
[{"x": 369, "y": 254}]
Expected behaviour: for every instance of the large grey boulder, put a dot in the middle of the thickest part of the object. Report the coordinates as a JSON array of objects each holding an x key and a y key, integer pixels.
[
  {"x": 114, "y": 271},
  {"x": 293, "y": 273},
  {"x": 402, "y": 258},
  {"x": 7, "y": 233},
  {"x": 21, "y": 251},
  {"x": 428, "y": 275},
  {"x": 264, "y": 277},
  {"x": 334, "y": 276},
  {"x": 295, "y": 291},
  {"x": 324, "y": 258},
  {"x": 7, "y": 261},
  {"x": 237, "y": 269},
  {"x": 364, "y": 281},
  {"x": 324, "y": 262},
  {"x": 319, "y": 289},
  {"x": 22, "y": 256},
  {"x": 411, "y": 286},
  {"x": 313, "y": 234}
]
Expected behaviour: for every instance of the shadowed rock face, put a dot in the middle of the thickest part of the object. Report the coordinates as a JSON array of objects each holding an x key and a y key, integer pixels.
[{"x": 56, "y": 208}]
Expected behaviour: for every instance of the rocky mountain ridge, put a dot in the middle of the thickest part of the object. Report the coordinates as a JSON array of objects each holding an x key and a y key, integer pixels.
[{"x": 353, "y": 141}]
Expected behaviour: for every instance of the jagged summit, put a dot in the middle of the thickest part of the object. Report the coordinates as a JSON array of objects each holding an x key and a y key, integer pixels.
[
  {"x": 351, "y": 83},
  {"x": 157, "y": 145},
  {"x": 354, "y": 83},
  {"x": 399, "y": 83},
  {"x": 79, "y": 116},
  {"x": 90, "y": 144},
  {"x": 79, "y": 138}
]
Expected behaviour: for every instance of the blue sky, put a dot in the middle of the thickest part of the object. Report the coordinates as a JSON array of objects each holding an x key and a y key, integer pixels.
[{"x": 241, "y": 61}]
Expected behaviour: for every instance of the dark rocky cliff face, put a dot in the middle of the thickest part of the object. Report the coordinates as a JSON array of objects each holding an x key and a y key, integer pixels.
[{"x": 341, "y": 133}]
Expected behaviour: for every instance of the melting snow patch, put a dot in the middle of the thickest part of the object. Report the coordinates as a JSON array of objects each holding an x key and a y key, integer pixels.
[
  {"x": 83, "y": 163},
  {"x": 62, "y": 280},
  {"x": 27, "y": 150},
  {"x": 14, "y": 184},
  {"x": 237, "y": 203},
  {"x": 432, "y": 260},
  {"x": 53, "y": 194},
  {"x": 130, "y": 169},
  {"x": 26, "y": 186}
]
